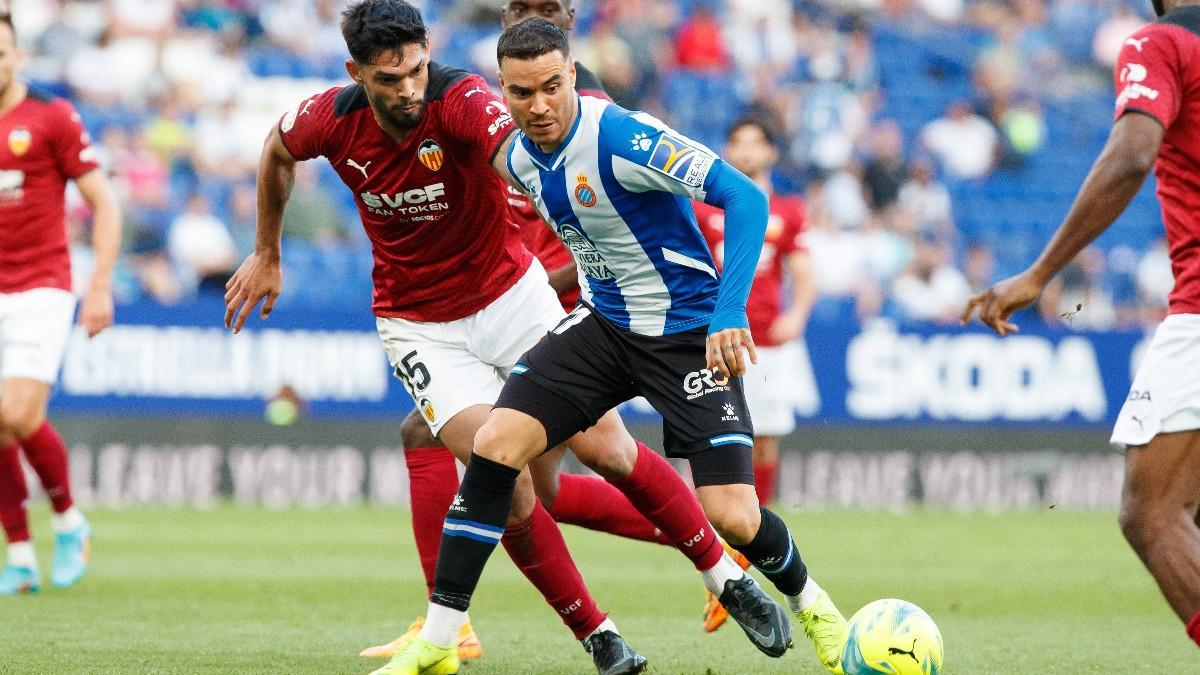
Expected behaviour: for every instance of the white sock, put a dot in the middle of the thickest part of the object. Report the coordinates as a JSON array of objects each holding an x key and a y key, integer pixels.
[
  {"x": 716, "y": 576},
  {"x": 21, "y": 554},
  {"x": 66, "y": 521},
  {"x": 606, "y": 625},
  {"x": 808, "y": 595},
  {"x": 442, "y": 625}
]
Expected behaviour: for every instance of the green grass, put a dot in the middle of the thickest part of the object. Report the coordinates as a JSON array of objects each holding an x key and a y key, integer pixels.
[{"x": 235, "y": 591}]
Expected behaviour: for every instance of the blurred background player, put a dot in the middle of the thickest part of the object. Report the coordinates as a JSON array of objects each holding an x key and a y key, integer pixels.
[
  {"x": 45, "y": 146},
  {"x": 751, "y": 148},
  {"x": 1157, "y": 125}
]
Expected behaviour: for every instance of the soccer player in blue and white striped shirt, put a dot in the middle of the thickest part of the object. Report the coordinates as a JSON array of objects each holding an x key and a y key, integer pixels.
[{"x": 656, "y": 320}]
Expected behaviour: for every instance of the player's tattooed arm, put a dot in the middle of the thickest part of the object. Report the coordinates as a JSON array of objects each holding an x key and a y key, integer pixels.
[
  {"x": 96, "y": 310},
  {"x": 1115, "y": 178},
  {"x": 260, "y": 275}
]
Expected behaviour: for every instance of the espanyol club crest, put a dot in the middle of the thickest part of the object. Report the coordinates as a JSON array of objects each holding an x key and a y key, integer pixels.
[
  {"x": 584, "y": 194},
  {"x": 19, "y": 140},
  {"x": 430, "y": 154}
]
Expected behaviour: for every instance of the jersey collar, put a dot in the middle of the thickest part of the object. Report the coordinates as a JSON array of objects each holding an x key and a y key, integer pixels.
[{"x": 550, "y": 161}]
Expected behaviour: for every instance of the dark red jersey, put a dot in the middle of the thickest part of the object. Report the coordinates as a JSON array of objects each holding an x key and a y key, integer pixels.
[
  {"x": 540, "y": 238},
  {"x": 785, "y": 236},
  {"x": 434, "y": 208},
  {"x": 1158, "y": 74},
  {"x": 43, "y": 146}
]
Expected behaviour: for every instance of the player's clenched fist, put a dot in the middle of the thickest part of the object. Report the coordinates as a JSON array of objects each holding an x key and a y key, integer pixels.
[
  {"x": 997, "y": 304},
  {"x": 258, "y": 277},
  {"x": 724, "y": 351}
]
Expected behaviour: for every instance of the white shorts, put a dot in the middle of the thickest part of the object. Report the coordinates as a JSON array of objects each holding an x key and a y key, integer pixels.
[
  {"x": 771, "y": 391},
  {"x": 34, "y": 328},
  {"x": 1165, "y": 396},
  {"x": 449, "y": 367}
]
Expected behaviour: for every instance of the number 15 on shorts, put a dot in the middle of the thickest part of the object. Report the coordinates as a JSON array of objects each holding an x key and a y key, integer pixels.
[{"x": 413, "y": 373}]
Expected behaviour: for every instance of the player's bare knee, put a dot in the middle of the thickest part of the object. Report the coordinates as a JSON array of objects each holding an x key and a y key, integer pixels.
[
  {"x": 737, "y": 524},
  {"x": 503, "y": 443},
  {"x": 414, "y": 433},
  {"x": 19, "y": 417}
]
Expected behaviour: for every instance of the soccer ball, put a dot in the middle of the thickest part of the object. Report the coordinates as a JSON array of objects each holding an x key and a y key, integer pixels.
[{"x": 892, "y": 636}]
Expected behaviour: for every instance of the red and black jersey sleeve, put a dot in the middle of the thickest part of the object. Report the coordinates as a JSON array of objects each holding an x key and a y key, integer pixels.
[
  {"x": 1149, "y": 74},
  {"x": 476, "y": 116},
  {"x": 73, "y": 151},
  {"x": 305, "y": 131}
]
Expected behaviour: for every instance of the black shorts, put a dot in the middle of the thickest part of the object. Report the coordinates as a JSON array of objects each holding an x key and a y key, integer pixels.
[{"x": 586, "y": 366}]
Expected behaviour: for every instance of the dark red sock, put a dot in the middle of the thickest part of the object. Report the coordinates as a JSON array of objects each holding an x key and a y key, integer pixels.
[
  {"x": 766, "y": 475},
  {"x": 47, "y": 454},
  {"x": 432, "y": 483},
  {"x": 1193, "y": 629},
  {"x": 538, "y": 549},
  {"x": 660, "y": 494},
  {"x": 594, "y": 503},
  {"x": 13, "y": 493}
]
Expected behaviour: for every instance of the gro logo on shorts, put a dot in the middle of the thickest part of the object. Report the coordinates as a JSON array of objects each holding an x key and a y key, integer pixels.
[{"x": 700, "y": 382}]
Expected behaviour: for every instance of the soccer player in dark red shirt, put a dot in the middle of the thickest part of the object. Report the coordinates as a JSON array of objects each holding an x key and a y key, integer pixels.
[
  {"x": 457, "y": 296},
  {"x": 44, "y": 146},
  {"x": 1157, "y": 126}
]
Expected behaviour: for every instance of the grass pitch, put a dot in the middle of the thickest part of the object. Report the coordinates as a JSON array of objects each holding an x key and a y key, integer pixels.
[{"x": 237, "y": 591}]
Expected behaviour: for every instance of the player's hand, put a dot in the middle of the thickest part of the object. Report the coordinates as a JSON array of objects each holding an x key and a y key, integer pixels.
[
  {"x": 96, "y": 312},
  {"x": 723, "y": 352},
  {"x": 997, "y": 304},
  {"x": 258, "y": 277},
  {"x": 787, "y": 327}
]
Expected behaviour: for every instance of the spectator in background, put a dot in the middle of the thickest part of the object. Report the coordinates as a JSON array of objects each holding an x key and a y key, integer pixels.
[
  {"x": 760, "y": 35},
  {"x": 886, "y": 169},
  {"x": 965, "y": 143},
  {"x": 201, "y": 247},
  {"x": 1154, "y": 281},
  {"x": 1111, "y": 35},
  {"x": 1077, "y": 297},
  {"x": 225, "y": 143},
  {"x": 311, "y": 212},
  {"x": 700, "y": 42},
  {"x": 926, "y": 200},
  {"x": 980, "y": 267},
  {"x": 932, "y": 289}
]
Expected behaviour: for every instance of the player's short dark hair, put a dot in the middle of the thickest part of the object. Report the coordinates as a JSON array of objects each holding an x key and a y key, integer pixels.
[
  {"x": 767, "y": 129},
  {"x": 530, "y": 39},
  {"x": 374, "y": 27}
]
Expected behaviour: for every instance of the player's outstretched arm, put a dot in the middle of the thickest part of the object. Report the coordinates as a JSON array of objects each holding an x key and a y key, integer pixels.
[
  {"x": 96, "y": 311},
  {"x": 746, "y": 212},
  {"x": 1115, "y": 178},
  {"x": 260, "y": 275}
]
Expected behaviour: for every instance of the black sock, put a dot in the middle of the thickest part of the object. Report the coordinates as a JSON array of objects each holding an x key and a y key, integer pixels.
[
  {"x": 473, "y": 527},
  {"x": 774, "y": 553}
]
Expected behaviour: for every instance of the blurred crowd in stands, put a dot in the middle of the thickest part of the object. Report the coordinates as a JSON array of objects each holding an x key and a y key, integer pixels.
[{"x": 937, "y": 142}]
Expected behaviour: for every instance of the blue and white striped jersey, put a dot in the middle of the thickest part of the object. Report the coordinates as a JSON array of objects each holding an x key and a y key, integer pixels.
[{"x": 617, "y": 191}]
